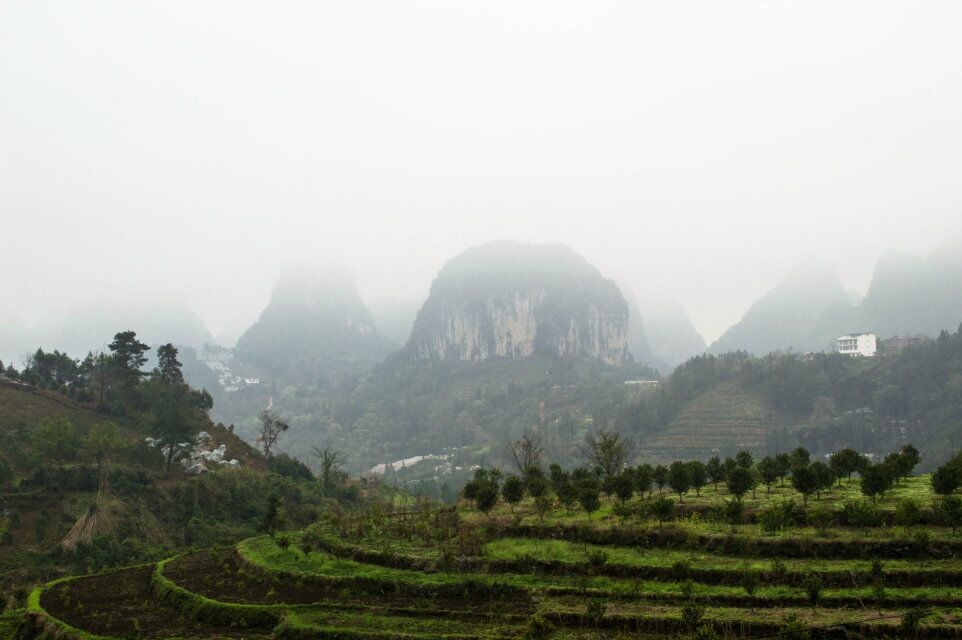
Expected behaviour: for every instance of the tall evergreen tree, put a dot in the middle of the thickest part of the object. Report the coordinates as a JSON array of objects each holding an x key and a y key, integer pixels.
[{"x": 168, "y": 365}]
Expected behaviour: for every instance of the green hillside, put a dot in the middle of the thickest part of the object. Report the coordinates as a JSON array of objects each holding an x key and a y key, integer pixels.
[
  {"x": 527, "y": 571},
  {"x": 824, "y": 403},
  {"x": 137, "y": 513},
  {"x": 722, "y": 420}
]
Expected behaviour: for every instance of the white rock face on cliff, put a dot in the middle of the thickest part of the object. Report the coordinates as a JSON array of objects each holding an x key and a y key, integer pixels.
[{"x": 513, "y": 300}]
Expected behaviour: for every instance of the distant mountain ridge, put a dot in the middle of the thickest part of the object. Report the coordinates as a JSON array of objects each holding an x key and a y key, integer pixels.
[
  {"x": 911, "y": 294},
  {"x": 670, "y": 336},
  {"x": 809, "y": 308},
  {"x": 805, "y": 311},
  {"x": 394, "y": 318},
  {"x": 314, "y": 324},
  {"x": 514, "y": 300}
]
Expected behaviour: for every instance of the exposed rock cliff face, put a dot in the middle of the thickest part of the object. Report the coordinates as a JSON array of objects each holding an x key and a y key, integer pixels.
[{"x": 513, "y": 300}]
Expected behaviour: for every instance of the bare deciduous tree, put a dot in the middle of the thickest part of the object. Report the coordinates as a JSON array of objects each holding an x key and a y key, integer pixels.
[
  {"x": 609, "y": 450},
  {"x": 526, "y": 453},
  {"x": 331, "y": 461},
  {"x": 272, "y": 426}
]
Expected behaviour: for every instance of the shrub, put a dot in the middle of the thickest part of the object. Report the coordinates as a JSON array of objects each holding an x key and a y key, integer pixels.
[
  {"x": 691, "y": 615},
  {"x": 20, "y": 595},
  {"x": 622, "y": 510},
  {"x": 733, "y": 512},
  {"x": 907, "y": 513},
  {"x": 543, "y": 505},
  {"x": 779, "y": 572},
  {"x": 862, "y": 513},
  {"x": 469, "y": 541},
  {"x": 594, "y": 611},
  {"x": 813, "y": 589},
  {"x": 777, "y": 517},
  {"x": 486, "y": 496},
  {"x": 705, "y": 632},
  {"x": 909, "y": 625},
  {"x": 946, "y": 479},
  {"x": 922, "y": 539},
  {"x": 512, "y": 491},
  {"x": 750, "y": 583},
  {"x": 597, "y": 558},
  {"x": 662, "y": 508},
  {"x": 538, "y": 628},
  {"x": 820, "y": 518},
  {"x": 793, "y": 629},
  {"x": 949, "y": 510},
  {"x": 740, "y": 481},
  {"x": 681, "y": 569},
  {"x": 588, "y": 496}
]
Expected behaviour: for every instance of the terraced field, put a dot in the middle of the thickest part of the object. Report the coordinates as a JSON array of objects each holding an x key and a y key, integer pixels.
[
  {"x": 434, "y": 573},
  {"x": 724, "y": 418}
]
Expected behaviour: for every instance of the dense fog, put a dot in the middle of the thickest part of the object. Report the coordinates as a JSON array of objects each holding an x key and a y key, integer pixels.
[{"x": 186, "y": 153}]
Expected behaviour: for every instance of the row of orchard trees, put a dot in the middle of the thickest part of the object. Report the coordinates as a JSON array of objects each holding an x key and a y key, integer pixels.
[{"x": 609, "y": 471}]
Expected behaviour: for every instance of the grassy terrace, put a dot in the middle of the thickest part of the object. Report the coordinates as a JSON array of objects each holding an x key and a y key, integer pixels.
[
  {"x": 429, "y": 573},
  {"x": 266, "y": 554},
  {"x": 564, "y": 551},
  {"x": 315, "y": 594}
]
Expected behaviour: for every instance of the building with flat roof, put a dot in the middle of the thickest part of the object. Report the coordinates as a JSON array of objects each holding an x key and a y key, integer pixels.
[
  {"x": 863, "y": 345},
  {"x": 898, "y": 344}
]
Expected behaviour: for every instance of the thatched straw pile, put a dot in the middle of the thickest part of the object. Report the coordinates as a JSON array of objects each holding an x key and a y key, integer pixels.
[{"x": 94, "y": 522}]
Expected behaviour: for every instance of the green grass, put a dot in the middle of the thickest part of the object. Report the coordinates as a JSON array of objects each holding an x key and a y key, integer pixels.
[
  {"x": 263, "y": 552},
  {"x": 561, "y": 550},
  {"x": 9, "y": 621},
  {"x": 395, "y": 626}
]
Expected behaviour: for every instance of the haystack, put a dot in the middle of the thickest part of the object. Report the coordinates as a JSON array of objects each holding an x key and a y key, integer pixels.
[{"x": 94, "y": 522}]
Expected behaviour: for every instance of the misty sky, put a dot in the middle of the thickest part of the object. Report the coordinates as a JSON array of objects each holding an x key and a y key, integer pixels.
[{"x": 189, "y": 150}]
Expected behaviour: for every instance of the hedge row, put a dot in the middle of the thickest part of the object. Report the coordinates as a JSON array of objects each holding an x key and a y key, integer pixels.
[
  {"x": 743, "y": 628},
  {"x": 467, "y": 589},
  {"x": 734, "y": 544},
  {"x": 841, "y": 579},
  {"x": 198, "y": 607},
  {"x": 41, "y": 625},
  {"x": 293, "y": 628}
]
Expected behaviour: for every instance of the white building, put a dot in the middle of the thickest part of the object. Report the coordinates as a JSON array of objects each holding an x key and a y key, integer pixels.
[{"x": 859, "y": 344}]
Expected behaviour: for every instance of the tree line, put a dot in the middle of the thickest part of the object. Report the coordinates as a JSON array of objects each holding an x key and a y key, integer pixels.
[{"x": 608, "y": 471}]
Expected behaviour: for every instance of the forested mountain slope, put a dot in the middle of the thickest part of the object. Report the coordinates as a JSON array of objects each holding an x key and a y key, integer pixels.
[{"x": 825, "y": 403}]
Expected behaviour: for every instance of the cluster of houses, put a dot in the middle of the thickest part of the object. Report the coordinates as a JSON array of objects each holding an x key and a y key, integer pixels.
[{"x": 866, "y": 345}]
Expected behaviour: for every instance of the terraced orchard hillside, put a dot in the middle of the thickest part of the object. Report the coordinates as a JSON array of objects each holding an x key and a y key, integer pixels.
[
  {"x": 536, "y": 570},
  {"x": 725, "y": 418}
]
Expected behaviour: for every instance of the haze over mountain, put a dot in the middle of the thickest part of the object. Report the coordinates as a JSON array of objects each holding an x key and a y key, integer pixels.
[
  {"x": 809, "y": 308},
  {"x": 394, "y": 318},
  {"x": 668, "y": 331},
  {"x": 514, "y": 300},
  {"x": 803, "y": 312},
  {"x": 15, "y": 340},
  {"x": 90, "y": 325},
  {"x": 638, "y": 343},
  {"x": 911, "y": 294},
  {"x": 315, "y": 324}
]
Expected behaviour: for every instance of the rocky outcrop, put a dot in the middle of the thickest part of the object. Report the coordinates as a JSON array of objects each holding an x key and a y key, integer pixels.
[{"x": 514, "y": 300}]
